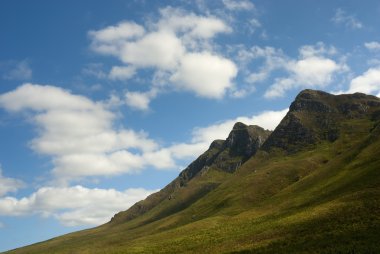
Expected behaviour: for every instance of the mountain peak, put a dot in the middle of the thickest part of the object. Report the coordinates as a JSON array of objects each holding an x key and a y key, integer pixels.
[
  {"x": 239, "y": 125},
  {"x": 315, "y": 116},
  {"x": 223, "y": 155},
  {"x": 244, "y": 140}
]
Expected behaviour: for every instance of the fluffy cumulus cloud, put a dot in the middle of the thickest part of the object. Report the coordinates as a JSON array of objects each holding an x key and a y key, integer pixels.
[
  {"x": 8, "y": 185},
  {"x": 205, "y": 74},
  {"x": 350, "y": 21},
  {"x": 368, "y": 82},
  {"x": 315, "y": 68},
  {"x": 179, "y": 45},
  {"x": 80, "y": 137},
  {"x": 78, "y": 133},
  {"x": 73, "y": 206}
]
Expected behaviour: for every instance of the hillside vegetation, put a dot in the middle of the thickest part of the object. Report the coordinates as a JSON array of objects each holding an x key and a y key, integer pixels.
[{"x": 310, "y": 186}]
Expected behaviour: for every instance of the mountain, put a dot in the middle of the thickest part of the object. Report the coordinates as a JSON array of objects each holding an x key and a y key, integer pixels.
[
  {"x": 223, "y": 157},
  {"x": 310, "y": 186}
]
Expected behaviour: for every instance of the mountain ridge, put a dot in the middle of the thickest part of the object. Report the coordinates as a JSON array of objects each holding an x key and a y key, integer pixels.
[
  {"x": 227, "y": 155},
  {"x": 310, "y": 186}
]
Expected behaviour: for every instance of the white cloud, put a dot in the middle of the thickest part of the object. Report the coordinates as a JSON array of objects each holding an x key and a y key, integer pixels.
[
  {"x": 170, "y": 46},
  {"x": 368, "y": 82},
  {"x": 205, "y": 74},
  {"x": 9, "y": 184},
  {"x": 189, "y": 25},
  {"x": 162, "y": 159},
  {"x": 2, "y": 225},
  {"x": 238, "y": 4},
  {"x": 319, "y": 49},
  {"x": 110, "y": 39},
  {"x": 121, "y": 72},
  {"x": 73, "y": 206},
  {"x": 78, "y": 133},
  {"x": 313, "y": 69},
  {"x": 350, "y": 21},
  {"x": 140, "y": 100},
  {"x": 160, "y": 49},
  {"x": 21, "y": 71},
  {"x": 373, "y": 45}
]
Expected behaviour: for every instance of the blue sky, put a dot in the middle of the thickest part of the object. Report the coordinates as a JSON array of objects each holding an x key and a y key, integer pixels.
[{"x": 104, "y": 102}]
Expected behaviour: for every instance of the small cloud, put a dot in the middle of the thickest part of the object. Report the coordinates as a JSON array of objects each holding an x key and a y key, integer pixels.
[
  {"x": 238, "y": 5},
  {"x": 2, "y": 225},
  {"x": 9, "y": 184},
  {"x": 19, "y": 71},
  {"x": 140, "y": 100},
  {"x": 122, "y": 72},
  {"x": 373, "y": 45},
  {"x": 350, "y": 21},
  {"x": 205, "y": 74}
]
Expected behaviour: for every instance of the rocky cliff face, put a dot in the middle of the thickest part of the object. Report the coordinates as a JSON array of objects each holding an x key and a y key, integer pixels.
[
  {"x": 226, "y": 155},
  {"x": 242, "y": 143},
  {"x": 316, "y": 116}
]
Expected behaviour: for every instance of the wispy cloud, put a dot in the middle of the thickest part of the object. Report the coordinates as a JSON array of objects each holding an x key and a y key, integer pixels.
[
  {"x": 18, "y": 71},
  {"x": 315, "y": 67},
  {"x": 373, "y": 45},
  {"x": 350, "y": 21},
  {"x": 238, "y": 5}
]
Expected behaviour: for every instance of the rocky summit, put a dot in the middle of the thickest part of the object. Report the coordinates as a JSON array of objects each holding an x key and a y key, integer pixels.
[
  {"x": 310, "y": 186},
  {"x": 315, "y": 116},
  {"x": 225, "y": 155}
]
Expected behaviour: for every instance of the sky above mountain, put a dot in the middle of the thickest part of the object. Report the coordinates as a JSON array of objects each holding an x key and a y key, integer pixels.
[{"x": 104, "y": 102}]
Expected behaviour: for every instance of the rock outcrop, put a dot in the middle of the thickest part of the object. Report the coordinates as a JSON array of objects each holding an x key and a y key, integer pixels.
[
  {"x": 315, "y": 116},
  {"x": 225, "y": 155}
]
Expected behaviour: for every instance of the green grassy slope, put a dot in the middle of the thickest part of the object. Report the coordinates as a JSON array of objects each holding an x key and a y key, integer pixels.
[{"x": 320, "y": 197}]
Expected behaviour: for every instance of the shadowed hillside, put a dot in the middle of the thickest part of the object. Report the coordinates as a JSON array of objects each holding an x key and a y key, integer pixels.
[{"x": 310, "y": 186}]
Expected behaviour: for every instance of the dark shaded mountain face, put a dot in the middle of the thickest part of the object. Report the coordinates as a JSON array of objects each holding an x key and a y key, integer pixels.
[
  {"x": 310, "y": 186},
  {"x": 224, "y": 155},
  {"x": 315, "y": 116}
]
